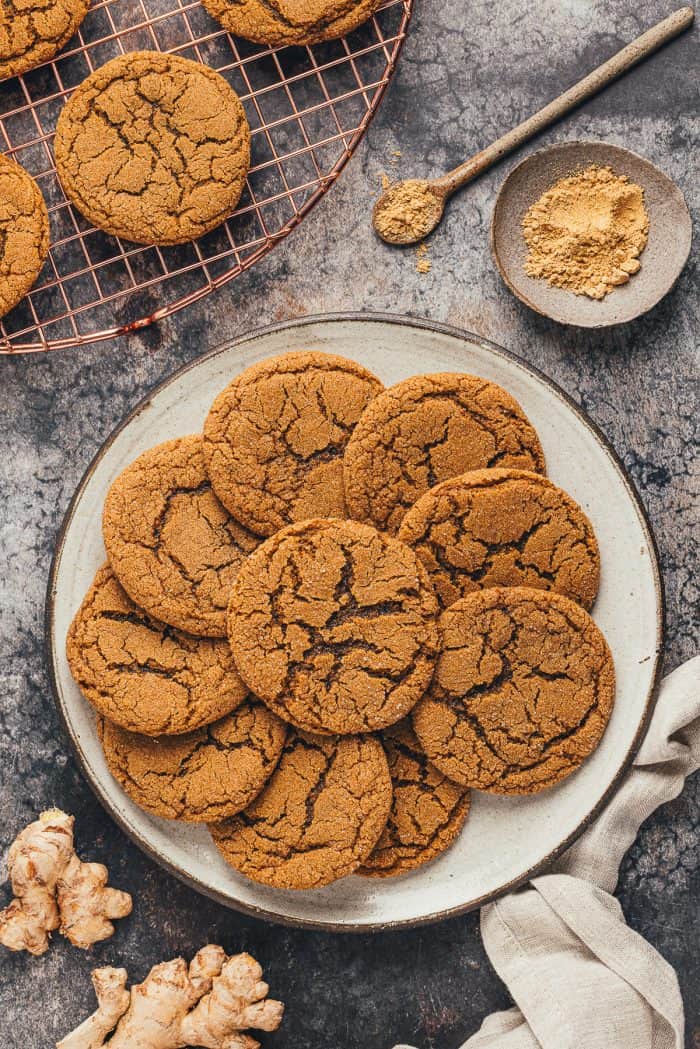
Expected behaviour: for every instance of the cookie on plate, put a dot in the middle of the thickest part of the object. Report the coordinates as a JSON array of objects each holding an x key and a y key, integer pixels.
[
  {"x": 24, "y": 233},
  {"x": 318, "y": 818},
  {"x": 170, "y": 542},
  {"x": 423, "y": 431},
  {"x": 275, "y": 437},
  {"x": 503, "y": 528},
  {"x": 427, "y": 813},
  {"x": 333, "y": 625},
  {"x": 144, "y": 675},
  {"x": 33, "y": 31},
  {"x": 522, "y": 694},
  {"x": 153, "y": 148},
  {"x": 291, "y": 21},
  {"x": 207, "y": 775}
]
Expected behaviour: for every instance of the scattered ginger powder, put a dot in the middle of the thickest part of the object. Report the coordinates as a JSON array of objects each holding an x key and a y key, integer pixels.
[{"x": 587, "y": 231}]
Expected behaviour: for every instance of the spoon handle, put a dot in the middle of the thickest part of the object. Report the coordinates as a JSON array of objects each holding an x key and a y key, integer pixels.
[{"x": 629, "y": 56}]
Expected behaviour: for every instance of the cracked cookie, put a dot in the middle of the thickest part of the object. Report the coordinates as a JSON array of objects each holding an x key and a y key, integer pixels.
[
  {"x": 503, "y": 528},
  {"x": 280, "y": 22},
  {"x": 427, "y": 813},
  {"x": 24, "y": 232},
  {"x": 33, "y": 31},
  {"x": 146, "y": 676},
  {"x": 318, "y": 818},
  {"x": 522, "y": 693},
  {"x": 275, "y": 437},
  {"x": 423, "y": 431},
  {"x": 333, "y": 625},
  {"x": 205, "y": 776},
  {"x": 170, "y": 542},
  {"x": 153, "y": 148}
]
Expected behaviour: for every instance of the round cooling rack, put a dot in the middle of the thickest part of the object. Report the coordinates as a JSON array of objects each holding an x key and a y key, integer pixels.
[{"x": 308, "y": 108}]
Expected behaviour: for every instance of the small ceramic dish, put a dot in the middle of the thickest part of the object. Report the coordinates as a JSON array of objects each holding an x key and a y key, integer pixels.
[{"x": 662, "y": 260}]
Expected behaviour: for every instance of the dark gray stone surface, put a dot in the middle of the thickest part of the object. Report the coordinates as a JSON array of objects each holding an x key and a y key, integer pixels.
[{"x": 468, "y": 73}]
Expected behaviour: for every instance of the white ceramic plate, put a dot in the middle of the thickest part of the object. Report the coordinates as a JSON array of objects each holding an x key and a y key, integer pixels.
[{"x": 505, "y": 840}]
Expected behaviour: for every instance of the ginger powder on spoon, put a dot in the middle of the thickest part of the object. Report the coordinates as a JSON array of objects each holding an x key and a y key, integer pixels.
[{"x": 586, "y": 232}]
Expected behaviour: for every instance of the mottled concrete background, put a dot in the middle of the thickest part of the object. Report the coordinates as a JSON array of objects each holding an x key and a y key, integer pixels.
[{"x": 470, "y": 71}]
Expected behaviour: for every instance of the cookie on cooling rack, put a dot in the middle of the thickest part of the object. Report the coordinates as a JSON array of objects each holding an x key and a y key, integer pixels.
[
  {"x": 24, "y": 233},
  {"x": 33, "y": 31},
  {"x": 153, "y": 148},
  {"x": 283, "y": 22}
]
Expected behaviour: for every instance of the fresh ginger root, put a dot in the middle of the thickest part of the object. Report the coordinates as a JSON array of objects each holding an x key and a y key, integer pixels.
[
  {"x": 54, "y": 890},
  {"x": 208, "y": 1005}
]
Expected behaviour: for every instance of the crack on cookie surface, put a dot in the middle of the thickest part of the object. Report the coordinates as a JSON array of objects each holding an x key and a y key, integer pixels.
[
  {"x": 522, "y": 693},
  {"x": 503, "y": 528},
  {"x": 333, "y": 626},
  {"x": 318, "y": 818}
]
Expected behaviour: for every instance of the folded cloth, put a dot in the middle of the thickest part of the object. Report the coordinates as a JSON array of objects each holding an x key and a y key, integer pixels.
[{"x": 580, "y": 977}]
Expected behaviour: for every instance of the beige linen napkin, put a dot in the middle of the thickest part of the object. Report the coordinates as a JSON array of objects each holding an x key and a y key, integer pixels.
[{"x": 580, "y": 977}]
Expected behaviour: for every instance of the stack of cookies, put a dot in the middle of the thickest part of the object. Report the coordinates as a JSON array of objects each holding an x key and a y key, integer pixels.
[{"x": 335, "y": 612}]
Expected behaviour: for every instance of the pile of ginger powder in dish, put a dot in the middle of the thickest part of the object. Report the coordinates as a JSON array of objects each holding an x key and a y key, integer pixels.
[{"x": 586, "y": 233}]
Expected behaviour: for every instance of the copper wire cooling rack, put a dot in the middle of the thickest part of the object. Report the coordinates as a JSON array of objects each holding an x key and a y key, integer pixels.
[{"x": 308, "y": 109}]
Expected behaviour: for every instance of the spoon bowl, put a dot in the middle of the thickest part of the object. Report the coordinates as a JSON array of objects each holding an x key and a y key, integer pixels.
[
  {"x": 408, "y": 211},
  {"x": 663, "y": 258}
]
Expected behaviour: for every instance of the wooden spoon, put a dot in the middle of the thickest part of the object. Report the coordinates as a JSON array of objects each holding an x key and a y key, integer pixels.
[{"x": 408, "y": 211}]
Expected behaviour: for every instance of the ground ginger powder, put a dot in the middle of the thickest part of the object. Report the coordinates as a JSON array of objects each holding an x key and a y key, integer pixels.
[
  {"x": 587, "y": 231},
  {"x": 407, "y": 211}
]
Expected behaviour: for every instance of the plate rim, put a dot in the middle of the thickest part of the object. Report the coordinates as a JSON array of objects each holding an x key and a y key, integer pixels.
[{"x": 260, "y": 912}]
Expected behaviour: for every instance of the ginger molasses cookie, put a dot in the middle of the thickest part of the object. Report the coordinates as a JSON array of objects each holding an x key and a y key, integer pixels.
[
  {"x": 170, "y": 542},
  {"x": 333, "y": 625},
  {"x": 427, "y": 813},
  {"x": 503, "y": 528},
  {"x": 275, "y": 437},
  {"x": 153, "y": 148},
  {"x": 279, "y": 22},
  {"x": 24, "y": 232},
  {"x": 522, "y": 693},
  {"x": 426, "y": 429},
  {"x": 33, "y": 31},
  {"x": 207, "y": 775},
  {"x": 318, "y": 818},
  {"x": 146, "y": 676}
]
